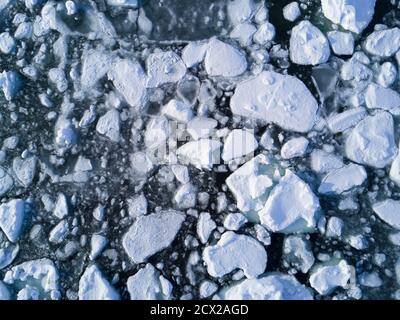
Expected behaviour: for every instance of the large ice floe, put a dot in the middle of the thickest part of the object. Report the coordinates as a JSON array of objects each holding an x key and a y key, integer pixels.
[{"x": 184, "y": 150}]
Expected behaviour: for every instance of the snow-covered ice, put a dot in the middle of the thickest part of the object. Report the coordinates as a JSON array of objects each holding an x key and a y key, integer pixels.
[
  {"x": 234, "y": 251},
  {"x": 151, "y": 233},
  {"x": 308, "y": 45}
]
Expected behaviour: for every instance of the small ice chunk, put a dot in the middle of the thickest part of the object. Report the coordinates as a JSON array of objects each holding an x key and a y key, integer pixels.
[
  {"x": 224, "y": 60},
  {"x": 377, "y": 97},
  {"x": 7, "y": 254},
  {"x": 164, "y": 67},
  {"x": 97, "y": 244},
  {"x": 342, "y": 121},
  {"x": 157, "y": 132},
  {"x": 129, "y": 79},
  {"x": 109, "y": 125},
  {"x": 387, "y": 74},
  {"x": 327, "y": 278},
  {"x": 238, "y": 144},
  {"x": 25, "y": 169},
  {"x": 297, "y": 252},
  {"x": 181, "y": 173},
  {"x": 95, "y": 65},
  {"x": 343, "y": 179},
  {"x": 358, "y": 242},
  {"x": 291, "y": 206},
  {"x": 185, "y": 196},
  {"x": 94, "y": 286},
  {"x": 57, "y": 77},
  {"x": 389, "y": 211},
  {"x": 273, "y": 97},
  {"x": 65, "y": 133},
  {"x": 7, "y": 43},
  {"x": 295, "y": 147},
  {"x": 41, "y": 275},
  {"x": 98, "y": 213},
  {"x": 149, "y": 284},
  {"x": 194, "y": 53},
  {"x": 395, "y": 170},
  {"x": 24, "y": 31},
  {"x": 352, "y": 15},
  {"x": 383, "y": 43},
  {"x": 240, "y": 10},
  {"x": 61, "y": 209},
  {"x": 275, "y": 286},
  {"x": 342, "y": 43},
  {"x": 291, "y": 11},
  {"x": 334, "y": 227},
  {"x": 205, "y": 226},
  {"x": 251, "y": 182},
  {"x": 234, "y": 221},
  {"x": 203, "y": 153},
  {"x": 6, "y": 181},
  {"x": 83, "y": 164},
  {"x": 12, "y": 216},
  {"x": 234, "y": 251},
  {"x": 178, "y": 110},
  {"x": 265, "y": 33},
  {"x": 10, "y": 83},
  {"x": 243, "y": 33},
  {"x": 137, "y": 206},
  {"x": 372, "y": 141},
  {"x": 207, "y": 289},
  {"x": 201, "y": 127},
  {"x": 151, "y": 233},
  {"x": 59, "y": 232},
  {"x": 323, "y": 161},
  {"x": 71, "y": 7},
  {"x": 308, "y": 45}
]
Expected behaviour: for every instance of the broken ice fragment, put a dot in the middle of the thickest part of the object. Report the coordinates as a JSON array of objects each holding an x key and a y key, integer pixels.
[
  {"x": 178, "y": 110},
  {"x": 109, "y": 125},
  {"x": 223, "y": 60},
  {"x": 234, "y": 221},
  {"x": 164, "y": 67},
  {"x": 201, "y": 127},
  {"x": 277, "y": 98},
  {"x": 327, "y": 278},
  {"x": 308, "y": 45},
  {"x": 7, "y": 43},
  {"x": 94, "y": 286},
  {"x": 291, "y": 11},
  {"x": 352, "y": 15},
  {"x": 40, "y": 274},
  {"x": 151, "y": 233},
  {"x": 383, "y": 43},
  {"x": 343, "y": 179},
  {"x": 389, "y": 211},
  {"x": 129, "y": 79},
  {"x": 342, "y": 121},
  {"x": 194, "y": 53},
  {"x": 295, "y": 147},
  {"x": 274, "y": 286},
  {"x": 377, "y": 97},
  {"x": 149, "y": 284},
  {"x": 238, "y": 144},
  {"x": 10, "y": 83},
  {"x": 97, "y": 244},
  {"x": 372, "y": 141},
  {"x": 185, "y": 196},
  {"x": 297, "y": 252},
  {"x": 342, "y": 43},
  {"x": 291, "y": 206},
  {"x": 12, "y": 215},
  {"x": 6, "y": 181},
  {"x": 234, "y": 251},
  {"x": 251, "y": 183},
  {"x": 25, "y": 169},
  {"x": 61, "y": 209},
  {"x": 203, "y": 153},
  {"x": 205, "y": 226}
]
